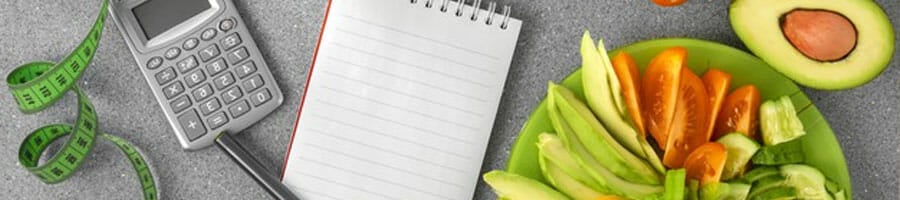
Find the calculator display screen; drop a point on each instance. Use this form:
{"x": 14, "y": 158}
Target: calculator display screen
{"x": 158, "y": 16}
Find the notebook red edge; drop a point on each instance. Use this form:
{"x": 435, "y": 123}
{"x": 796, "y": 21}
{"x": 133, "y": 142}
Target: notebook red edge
{"x": 309, "y": 75}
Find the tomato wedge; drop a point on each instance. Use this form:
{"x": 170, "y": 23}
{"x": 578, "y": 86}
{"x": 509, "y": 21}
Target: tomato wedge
{"x": 689, "y": 128}
{"x": 659, "y": 91}
{"x": 706, "y": 163}
{"x": 717, "y": 84}
{"x": 628, "y": 75}
{"x": 668, "y": 3}
{"x": 739, "y": 113}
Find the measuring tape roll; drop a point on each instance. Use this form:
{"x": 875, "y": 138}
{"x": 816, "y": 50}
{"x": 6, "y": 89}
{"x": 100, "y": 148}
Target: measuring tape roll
{"x": 38, "y": 85}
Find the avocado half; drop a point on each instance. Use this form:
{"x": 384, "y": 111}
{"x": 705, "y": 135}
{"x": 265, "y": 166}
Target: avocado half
{"x": 832, "y": 45}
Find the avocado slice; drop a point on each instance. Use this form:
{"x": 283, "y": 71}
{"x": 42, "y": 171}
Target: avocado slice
{"x": 828, "y": 45}
{"x": 513, "y": 186}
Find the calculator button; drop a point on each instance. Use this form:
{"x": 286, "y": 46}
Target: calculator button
{"x": 260, "y": 97}
{"x": 216, "y": 67}
{"x": 226, "y": 24}
{"x": 208, "y": 34}
{"x": 231, "y": 95}
{"x": 166, "y": 75}
{"x": 239, "y": 109}
{"x": 209, "y": 106}
{"x": 172, "y": 53}
{"x": 245, "y": 69}
{"x": 180, "y": 104}
{"x": 173, "y": 90}
{"x": 202, "y": 93}
{"x": 209, "y": 53}
{"x": 238, "y": 55}
{"x": 253, "y": 83}
{"x": 231, "y": 41}
{"x": 187, "y": 64}
{"x": 217, "y": 120}
{"x": 224, "y": 81}
{"x": 194, "y": 78}
{"x": 190, "y": 122}
{"x": 154, "y": 62}
{"x": 190, "y": 44}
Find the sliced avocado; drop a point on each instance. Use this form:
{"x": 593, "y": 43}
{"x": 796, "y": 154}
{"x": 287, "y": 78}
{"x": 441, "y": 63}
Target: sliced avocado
{"x": 820, "y": 44}
{"x": 597, "y": 140}
{"x": 598, "y": 172}
{"x": 740, "y": 149}
{"x": 566, "y": 183}
{"x": 551, "y": 148}
{"x": 514, "y": 187}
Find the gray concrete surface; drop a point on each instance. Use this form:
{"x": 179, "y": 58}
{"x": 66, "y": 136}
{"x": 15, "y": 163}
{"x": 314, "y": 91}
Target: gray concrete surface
{"x": 865, "y": 119}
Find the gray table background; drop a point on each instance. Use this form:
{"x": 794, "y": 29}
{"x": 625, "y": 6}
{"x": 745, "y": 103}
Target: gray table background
{"x": 864, "y": 119}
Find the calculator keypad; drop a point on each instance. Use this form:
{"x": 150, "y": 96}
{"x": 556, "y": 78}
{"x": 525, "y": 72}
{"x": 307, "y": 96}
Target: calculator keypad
{"x": 224, "y": 89}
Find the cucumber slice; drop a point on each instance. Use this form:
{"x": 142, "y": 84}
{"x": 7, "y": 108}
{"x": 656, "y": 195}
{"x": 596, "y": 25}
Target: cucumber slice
{"x": 714, "y": 191}
{"x": 765, "y": 184}
{"x": 781, "y": 192}
{"x": 779, "y": 121}
{"x": 809, "y": 181}
{"x": 740, "y": 149}
{"x": 675, "y": 184}
{"x": 513, "y": 186}
{"x": 736, "y": 191}
{"x": 760, "y": 172}
{"x": 780, "y": 154}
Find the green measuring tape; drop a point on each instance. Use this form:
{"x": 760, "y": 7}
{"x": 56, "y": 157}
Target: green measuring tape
{"x": 38, "y": 85}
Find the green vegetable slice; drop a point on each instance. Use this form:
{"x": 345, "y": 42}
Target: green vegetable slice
{"x": 740, "y": 149}
{"x": 513, "y": 186}
{"x": 784, "y": 153}
{"x": 779, "y": 121}
{"x": 760, "y": 172}
{"x": 675, "y": 184}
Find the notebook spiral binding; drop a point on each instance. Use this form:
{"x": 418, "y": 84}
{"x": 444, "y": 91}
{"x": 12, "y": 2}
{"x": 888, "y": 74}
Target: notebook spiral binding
{"x": 476, "y": 8}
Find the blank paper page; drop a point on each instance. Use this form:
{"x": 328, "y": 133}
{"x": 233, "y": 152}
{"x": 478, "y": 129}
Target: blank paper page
{"x": 400, "y": 102}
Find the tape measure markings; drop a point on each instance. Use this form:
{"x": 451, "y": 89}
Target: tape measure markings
{"x": 38, "y": 85}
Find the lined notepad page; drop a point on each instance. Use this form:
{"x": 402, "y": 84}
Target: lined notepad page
{"x": 400, "y": 103}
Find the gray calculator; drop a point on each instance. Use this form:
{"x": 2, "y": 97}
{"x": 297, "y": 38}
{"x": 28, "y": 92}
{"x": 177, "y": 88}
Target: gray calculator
{"x": 203, "y": 66}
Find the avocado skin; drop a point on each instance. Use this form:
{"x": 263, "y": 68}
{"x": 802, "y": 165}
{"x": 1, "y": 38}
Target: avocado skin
{"x": 757, "y": 24}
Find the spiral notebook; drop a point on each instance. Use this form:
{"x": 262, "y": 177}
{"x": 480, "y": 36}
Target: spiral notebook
{"x": 400, "y": 99}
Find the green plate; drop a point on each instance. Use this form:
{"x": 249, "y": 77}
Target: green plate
{"x": 822, "y": 149}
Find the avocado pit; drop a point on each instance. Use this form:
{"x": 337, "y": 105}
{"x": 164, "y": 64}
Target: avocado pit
{"x": 820, "y": 35}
